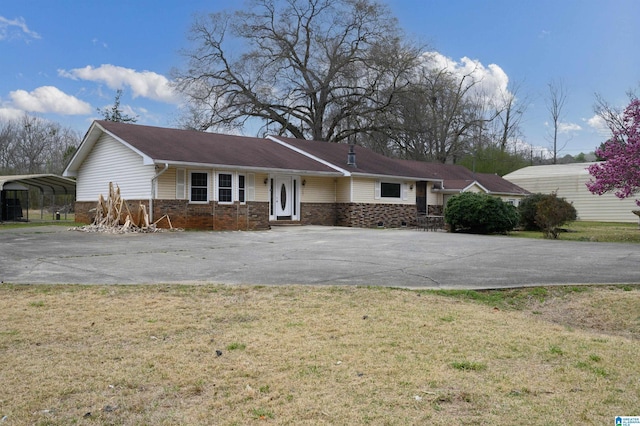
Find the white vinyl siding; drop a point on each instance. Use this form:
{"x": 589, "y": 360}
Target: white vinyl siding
{"x": 166, "y": 185}
{"x": 362, "y": 190}
{"x": 110, "y": 158}
{"x": 343, "y": 190}
{"x": 260, "y": 189}
{"x": 317, "y": 189}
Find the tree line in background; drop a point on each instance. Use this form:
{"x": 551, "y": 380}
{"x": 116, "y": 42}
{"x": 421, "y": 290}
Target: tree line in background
{"x": 33, "y": 145}
{"x": 343, "y": 71}
{"x": 329, "y": 70}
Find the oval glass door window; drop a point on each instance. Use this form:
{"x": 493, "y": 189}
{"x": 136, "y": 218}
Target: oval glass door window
{"x": 283, "y": 196}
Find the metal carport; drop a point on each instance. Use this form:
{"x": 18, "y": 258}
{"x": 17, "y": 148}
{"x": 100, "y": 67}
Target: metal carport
{"x": 47, "y": 184}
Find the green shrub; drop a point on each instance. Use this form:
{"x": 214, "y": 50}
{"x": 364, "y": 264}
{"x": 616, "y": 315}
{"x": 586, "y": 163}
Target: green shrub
{"x": 527, "y": 210}
{"x": 553, "y": 212}
{"x": 479, "y": 214}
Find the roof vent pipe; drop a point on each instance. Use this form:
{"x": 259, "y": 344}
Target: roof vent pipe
{"x": 351, "y": 156}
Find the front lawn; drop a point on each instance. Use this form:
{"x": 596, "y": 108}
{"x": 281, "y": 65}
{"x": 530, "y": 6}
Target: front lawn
{"x": 609, "y": 232}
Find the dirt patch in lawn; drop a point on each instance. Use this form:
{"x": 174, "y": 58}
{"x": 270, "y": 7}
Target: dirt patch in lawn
{"x": 608, "y": 310}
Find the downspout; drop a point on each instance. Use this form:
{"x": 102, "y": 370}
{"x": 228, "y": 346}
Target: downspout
{"x": 154, "y": 183}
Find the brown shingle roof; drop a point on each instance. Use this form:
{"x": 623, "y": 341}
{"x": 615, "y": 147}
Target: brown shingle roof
{"x": 188, "y": 146}
{"x": 367, "y": 161}
{"x": 498, "y": 184}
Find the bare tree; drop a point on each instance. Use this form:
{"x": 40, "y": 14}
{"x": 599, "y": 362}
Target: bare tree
{"x": 556, "y": 102}
{"x": 509, "y": 112}
{"x": 440, "y": 117}
{"x": 34, "y": 145}
{"x": 312, "y": 69}
{"x": 610, "y": 114}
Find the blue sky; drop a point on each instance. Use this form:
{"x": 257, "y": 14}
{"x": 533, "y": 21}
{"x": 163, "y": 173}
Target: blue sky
{"x": 64, "y": 59}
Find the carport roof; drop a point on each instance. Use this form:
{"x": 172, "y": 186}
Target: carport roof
{"x": 48, "y": 184}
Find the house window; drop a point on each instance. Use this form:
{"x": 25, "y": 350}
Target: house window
{"x": 199, "y": 187}
{"x": 224, "y": 188}
{"x": 241, "y": 189}
{"x": 390, "y": 190}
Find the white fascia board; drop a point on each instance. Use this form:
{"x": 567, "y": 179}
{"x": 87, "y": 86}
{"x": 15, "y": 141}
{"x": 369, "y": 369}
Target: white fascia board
{"x": 313, "y": 157}
{"x": 407, "y": 178}
{"x": 188, "y": 164}
{"x": 475, "y": 182}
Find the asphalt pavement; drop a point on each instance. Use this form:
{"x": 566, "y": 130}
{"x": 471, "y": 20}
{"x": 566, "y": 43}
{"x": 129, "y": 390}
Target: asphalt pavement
{"x": 310, "y": 255}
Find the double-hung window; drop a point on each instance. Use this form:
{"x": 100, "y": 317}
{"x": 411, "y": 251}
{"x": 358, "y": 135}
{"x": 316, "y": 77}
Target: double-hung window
{"x": 225, "y": 189}
{"x": 199, "y": 187}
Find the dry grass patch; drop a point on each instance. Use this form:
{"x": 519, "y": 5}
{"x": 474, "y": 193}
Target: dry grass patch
{"x": 301, "y": 355}
{"x": 604, "y": 232}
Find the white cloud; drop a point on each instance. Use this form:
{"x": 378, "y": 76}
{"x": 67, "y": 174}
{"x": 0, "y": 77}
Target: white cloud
{"x": 564, "y": 128}
{"x": 491, "y": 81}
{"x": 49, "y": 99}
{"x": 15, "y": 28}
{"x": 598, "y": 124}
{"x": 146, "y": 84}
{"x": 10, "y": 113}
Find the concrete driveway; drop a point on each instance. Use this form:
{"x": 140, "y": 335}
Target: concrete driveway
{"x": 310, "y": 255}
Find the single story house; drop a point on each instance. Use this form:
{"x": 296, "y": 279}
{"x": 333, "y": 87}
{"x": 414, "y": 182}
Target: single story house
{"x": 225, "y": 182}
{"x": 569, "y": 182}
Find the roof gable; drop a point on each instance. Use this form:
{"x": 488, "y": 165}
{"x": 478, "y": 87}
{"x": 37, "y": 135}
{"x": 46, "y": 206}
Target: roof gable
{"x": 160, "y": 145}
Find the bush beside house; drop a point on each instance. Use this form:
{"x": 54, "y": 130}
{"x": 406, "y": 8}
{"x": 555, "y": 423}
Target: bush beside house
{"x": 480, "y": 214}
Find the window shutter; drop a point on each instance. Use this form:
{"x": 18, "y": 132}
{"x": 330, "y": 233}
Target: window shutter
{"x": 405, "y": 191}
{"x": 376, "y": 194}
{"x": 180, "y": 184}
{"x": 251, "y": 187}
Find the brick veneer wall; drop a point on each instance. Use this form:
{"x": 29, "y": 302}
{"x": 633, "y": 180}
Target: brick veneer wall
{"x": 435, "y": 210}
{"x": 255, "y": 215}
{"x": 85, "y": 211}
{"x": 210, "y": 216}
{"x": 366, "y": 215}
{"x": 318, "y": 214}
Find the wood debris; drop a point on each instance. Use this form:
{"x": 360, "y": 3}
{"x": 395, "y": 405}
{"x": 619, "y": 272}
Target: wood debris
{"x": 114, "y": 216}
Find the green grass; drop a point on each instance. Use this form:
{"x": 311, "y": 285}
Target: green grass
{"x": 469, "y": 366}
{"x": 33, "y": 223}
{"x": 604, "y": 232}
{"x": 510, "y": 298}
{"x": 236, "y": 346}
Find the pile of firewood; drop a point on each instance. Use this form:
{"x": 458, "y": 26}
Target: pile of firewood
{"x": 113, "y": 215}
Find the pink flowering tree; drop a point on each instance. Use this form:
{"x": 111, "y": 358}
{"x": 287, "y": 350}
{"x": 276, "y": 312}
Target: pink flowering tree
{"x": 620, "y": 172}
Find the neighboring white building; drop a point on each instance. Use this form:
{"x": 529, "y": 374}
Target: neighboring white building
{"x": 569, "y": 182}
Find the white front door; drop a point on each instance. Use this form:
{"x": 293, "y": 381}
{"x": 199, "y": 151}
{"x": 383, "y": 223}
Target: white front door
{"x": 283, "y": 197}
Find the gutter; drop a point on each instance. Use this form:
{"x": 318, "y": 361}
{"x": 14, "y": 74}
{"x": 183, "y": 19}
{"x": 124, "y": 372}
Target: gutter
{"x": 154, "y": 182}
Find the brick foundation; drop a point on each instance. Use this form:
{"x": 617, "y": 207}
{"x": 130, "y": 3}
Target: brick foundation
{"x": 255, "y": 215}
{"x": 364, "y": 215}
{"x": 323, "y": 214}
{"x": 210, "y": 216}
